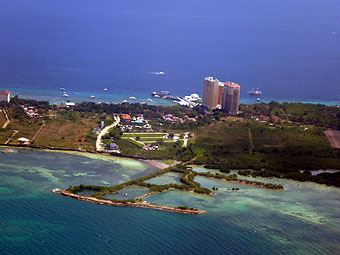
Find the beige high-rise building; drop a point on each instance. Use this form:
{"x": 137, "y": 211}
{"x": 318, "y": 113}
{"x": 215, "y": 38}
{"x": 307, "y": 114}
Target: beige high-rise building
{"x": 220, "y": 94}
{"x": 231, "y": 97}
{"x": 210, "y": 92}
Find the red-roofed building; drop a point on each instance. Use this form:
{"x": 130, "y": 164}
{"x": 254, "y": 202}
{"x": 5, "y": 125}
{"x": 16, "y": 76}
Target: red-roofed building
{"x": 126, "y": 117}
{"x": 5, "y": 96}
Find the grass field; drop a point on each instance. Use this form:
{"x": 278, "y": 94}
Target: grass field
{"x": 2, "y": 118}
{"x": 148, "y": 137}
{"x": 60, "y": 132}
{"x": 154, "y": 134}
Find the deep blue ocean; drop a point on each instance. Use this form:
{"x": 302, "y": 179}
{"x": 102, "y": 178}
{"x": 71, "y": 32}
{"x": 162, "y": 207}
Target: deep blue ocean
{"x": 288, "y": 48}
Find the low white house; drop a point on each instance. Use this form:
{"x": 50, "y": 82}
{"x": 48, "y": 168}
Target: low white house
{"x": 5, "y": 96}
{"x": 23, "y": 140}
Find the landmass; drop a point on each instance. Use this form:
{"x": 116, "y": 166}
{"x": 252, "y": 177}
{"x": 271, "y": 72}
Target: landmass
{"x": 282, "y": 140}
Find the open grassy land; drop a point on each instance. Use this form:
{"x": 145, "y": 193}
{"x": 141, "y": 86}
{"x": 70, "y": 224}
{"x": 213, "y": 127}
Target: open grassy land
{"x": 64, "y": 133}
{"x": 2, "y": 118}
{"x": 173, "y": 150}
{"x": 65, "y": 129}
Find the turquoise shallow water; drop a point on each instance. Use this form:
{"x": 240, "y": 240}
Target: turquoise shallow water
{"x": 303, "y": 219}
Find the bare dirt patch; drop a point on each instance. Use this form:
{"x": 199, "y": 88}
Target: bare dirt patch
{"x": 333, "y": 138}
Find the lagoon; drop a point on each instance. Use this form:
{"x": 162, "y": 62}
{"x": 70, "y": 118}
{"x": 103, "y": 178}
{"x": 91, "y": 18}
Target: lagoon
{"x": 303, "y": 219}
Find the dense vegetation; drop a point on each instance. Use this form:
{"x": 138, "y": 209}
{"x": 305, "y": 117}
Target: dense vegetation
{"x": 308, "y": 114}
{"x": 284, "y": 149}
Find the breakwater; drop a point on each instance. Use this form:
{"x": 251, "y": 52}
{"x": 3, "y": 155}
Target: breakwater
{"x": 141, "y": 204}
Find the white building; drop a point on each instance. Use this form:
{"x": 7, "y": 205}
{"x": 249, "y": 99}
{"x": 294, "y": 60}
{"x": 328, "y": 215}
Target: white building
{"x": 5, "y": 96}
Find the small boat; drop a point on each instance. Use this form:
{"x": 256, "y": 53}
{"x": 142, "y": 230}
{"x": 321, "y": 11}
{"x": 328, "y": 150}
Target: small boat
{"x": 149, "y": 99}
{"x": 258, "y": 99}
{"x": 124, "y": 101}
{"x": 55, "y": 190}
{"x": 165, "y": 92}
{"x": 161, "y": 73}
{"x": 92, "y": 97}
{"x": 105, "y": 89}
{"x": 132, "y": 97}
{"x": 65, "y": 95}
{"x": 255, "y": 91}
{"x": 62, "y": 89}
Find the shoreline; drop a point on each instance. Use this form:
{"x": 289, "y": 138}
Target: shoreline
{"x": 55, "y": 97}
{"x": 156, "y": 163}
{"x": 137, "y": 204}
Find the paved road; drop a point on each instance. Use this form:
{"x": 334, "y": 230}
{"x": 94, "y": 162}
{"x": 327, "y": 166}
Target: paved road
{"x": 105, "y": 130}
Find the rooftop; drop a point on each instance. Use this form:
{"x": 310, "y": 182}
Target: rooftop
{"x": 5, "y": 92}
{"x": 231, "y": 84}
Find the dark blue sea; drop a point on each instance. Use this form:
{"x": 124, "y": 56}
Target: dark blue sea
{"x": 288, "y": 48}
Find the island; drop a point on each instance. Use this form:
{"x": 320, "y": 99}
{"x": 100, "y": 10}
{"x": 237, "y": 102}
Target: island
{"x": 272, "y": 140}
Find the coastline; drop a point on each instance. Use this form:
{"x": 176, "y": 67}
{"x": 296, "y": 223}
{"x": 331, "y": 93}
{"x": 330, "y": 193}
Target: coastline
{"x": 153, "y": 162}
{"x": 55, "y": 97}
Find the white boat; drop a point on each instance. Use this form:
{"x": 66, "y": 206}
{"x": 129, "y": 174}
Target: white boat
{"x": 124, "y": 101}
{"x": 132, "y": 97}
{"x": 62, "y": 89}
{"x": 161, "y": 73}
{"x": 258, "y": 99}
{"x": 65, "y": 95}
{"x": 165, "y": 92}
{"x": 92, "y": 97}
{"x": 149, "y": 99}
{"x": 105, "y": 89}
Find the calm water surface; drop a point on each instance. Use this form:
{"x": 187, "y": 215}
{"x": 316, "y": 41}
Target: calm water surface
{"x": 289, "y": 48}
{"x": 303, "y": 219}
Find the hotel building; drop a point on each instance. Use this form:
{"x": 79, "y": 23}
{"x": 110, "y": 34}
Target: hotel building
{"x": 231, "y": 97}
{"x": 210, "y": 92}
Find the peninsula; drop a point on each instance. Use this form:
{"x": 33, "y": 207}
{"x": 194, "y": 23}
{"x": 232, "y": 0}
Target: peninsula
{"x": 282, "y": 140}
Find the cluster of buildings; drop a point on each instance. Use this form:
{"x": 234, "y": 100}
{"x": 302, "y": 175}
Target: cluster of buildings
{"x": 136, "y": 123}
{"x": 149, "y": 147}
{"x": 31, "y": 112}
{"x": 174, "y": 119}
{"x": 221, "y": 95}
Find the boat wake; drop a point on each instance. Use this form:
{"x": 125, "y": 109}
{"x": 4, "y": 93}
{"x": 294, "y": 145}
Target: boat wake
{"x": 156, "y": 73}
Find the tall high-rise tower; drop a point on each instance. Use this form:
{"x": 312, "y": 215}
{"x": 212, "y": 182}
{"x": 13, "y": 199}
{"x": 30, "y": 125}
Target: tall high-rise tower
{"x": 231, "y": 97}
{"x": 210, "y": 92}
